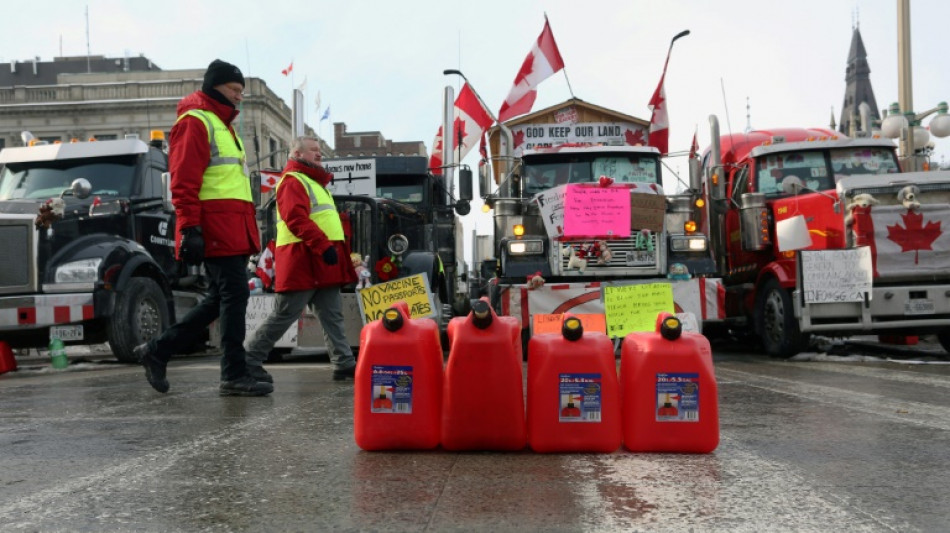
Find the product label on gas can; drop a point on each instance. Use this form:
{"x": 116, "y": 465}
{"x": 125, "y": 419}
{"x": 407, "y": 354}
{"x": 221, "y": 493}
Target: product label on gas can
{"x": 580, "y": 396}
{"x": 392, "y": 390}
{"x": 677, "y": 397}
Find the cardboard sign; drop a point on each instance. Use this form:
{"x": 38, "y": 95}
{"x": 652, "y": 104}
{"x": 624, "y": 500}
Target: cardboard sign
{"x": 596, "y": 211}
{"x": 259, "y": 307}
{"x": 414, "y": 290}
{"x": 542, "y": 323}
{"x": 647, "y": 211}
{"x": 352, "y": 177}
{"x": 551, "y": 205}
{"x": 830, "y": 276}
{"x": 635, "y": 307}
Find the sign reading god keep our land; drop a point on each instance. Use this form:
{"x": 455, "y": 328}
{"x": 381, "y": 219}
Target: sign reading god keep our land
{"x": 414, "y": 290}
{"x": 352, "y": 177}
{"x": 632, "y": 308}
{"x": 596, "y": 211}
{"x": 830, "y": 276}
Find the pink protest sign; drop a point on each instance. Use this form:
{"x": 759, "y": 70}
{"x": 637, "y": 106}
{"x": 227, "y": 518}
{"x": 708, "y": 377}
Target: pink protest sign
{"x": 594, "y": 211}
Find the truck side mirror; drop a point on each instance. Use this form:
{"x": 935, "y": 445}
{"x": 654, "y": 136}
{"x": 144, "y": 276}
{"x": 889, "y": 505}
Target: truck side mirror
{"x": 792, "y": 185}
{"x": 80, "y": 188}
{"x": 465, "y": 183}
{"x": 167, "y": 192}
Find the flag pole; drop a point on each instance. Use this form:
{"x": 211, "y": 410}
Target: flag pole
{"x": 564, "y": 68}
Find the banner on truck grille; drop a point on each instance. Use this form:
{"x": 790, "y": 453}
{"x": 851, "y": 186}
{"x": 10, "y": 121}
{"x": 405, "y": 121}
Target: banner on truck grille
{"x": 908, "y": 241}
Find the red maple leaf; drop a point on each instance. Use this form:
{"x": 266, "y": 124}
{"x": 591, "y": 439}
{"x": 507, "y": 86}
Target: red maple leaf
{"x": 914, "y": 235}
{"x": 519, "y": 138}
{"x": 633, "y": 138}
{"x": 525, "y": 68}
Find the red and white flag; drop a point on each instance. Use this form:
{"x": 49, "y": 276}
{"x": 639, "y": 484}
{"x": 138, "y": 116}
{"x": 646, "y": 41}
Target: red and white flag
{"x": 269, "y": 180}
{"x": 288, "y": 70}
{"x": 660, "y": 122}
{"x": 542, "y": 62}
{"x": 694, "y": 147}
{"x": 265, "y": 265}
{"x": 471, "y": 119}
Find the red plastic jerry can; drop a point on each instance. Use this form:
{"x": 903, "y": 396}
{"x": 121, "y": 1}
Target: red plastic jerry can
{"x": 484, "y": 389}
{"x": 573, "y": 392}
{"x": 669, "y": 397}
{"x": 399, "y": 378}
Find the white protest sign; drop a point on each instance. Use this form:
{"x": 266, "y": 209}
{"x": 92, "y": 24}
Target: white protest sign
{"x": 830, "y": 276}
{"x": 551, "y": 205}
{"x": 532, "y": 136}
{"x": 353, "y": 177}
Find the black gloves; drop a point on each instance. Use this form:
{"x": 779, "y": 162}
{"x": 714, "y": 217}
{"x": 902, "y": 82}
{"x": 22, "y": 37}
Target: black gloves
{"x": 192, "y": 249}
{"x": 330, "y": 256}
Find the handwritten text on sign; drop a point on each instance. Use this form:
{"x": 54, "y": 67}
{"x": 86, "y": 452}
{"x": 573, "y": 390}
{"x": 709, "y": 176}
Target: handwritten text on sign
{"x": 542, "y": 323}
{"x": 836, "y": 275}
{"x": 597, "y": 211}
{"x": 414, "y": 290}
{"x": 635, "y": 307}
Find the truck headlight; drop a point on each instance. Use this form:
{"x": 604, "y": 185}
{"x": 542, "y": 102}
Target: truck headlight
{"x": 82, "y": 271}
{"x": 525, "y": 247}
{"x": 688, "y": 243}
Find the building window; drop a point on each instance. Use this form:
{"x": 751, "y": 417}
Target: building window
{"x": 272, "y": 150}
{"x": 107, "y": 137}
{"x": 50, "y": 140}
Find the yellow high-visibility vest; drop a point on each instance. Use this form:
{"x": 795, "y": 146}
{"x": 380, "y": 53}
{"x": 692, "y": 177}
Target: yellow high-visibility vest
{"x": 322, "y": 212}
{"x": 224, "y": 179}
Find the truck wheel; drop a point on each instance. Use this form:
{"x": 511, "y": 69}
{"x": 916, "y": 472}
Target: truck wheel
{"x": 944, "y": 337}
{"x": 140, "y": 314}
{"x": 776, "y": 323}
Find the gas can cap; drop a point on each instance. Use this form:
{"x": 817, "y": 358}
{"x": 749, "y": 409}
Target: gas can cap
{"x": 481, "y": 314}
{"x": 572, "y": 329}
{"x": 671, "y": 328}
{"x": 392, "y": 319}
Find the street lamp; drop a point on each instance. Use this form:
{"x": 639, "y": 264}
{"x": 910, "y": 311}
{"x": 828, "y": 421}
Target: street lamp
{"x": 901, "y": 121}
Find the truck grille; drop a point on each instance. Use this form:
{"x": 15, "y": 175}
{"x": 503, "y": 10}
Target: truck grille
{"x": 625, "y": 254}
{"x": 17, "y": 256}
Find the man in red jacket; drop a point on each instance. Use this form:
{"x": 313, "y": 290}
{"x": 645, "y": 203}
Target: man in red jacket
{"x": 312, "y": 261}
{"x": 215, "y": 225}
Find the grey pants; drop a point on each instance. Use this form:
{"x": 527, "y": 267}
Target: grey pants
{"x": 327, "y": 304}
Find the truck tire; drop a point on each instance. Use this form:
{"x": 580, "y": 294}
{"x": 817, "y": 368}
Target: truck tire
{"x": 775, "y": 321}
{"x": 943, "y": 336}
{"x": 140, "y": 314}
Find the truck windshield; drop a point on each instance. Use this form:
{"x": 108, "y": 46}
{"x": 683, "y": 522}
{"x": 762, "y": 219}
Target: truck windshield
{"x": 111, "y": 176}
{"x": 542, "y": 174}
{"x": 821, "y": 169}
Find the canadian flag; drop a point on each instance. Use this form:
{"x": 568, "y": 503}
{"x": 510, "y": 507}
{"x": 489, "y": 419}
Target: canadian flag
{"x": 288, "y": 70}
{"x": 659, "y": 136}
{"x": 265, "y": 265}
{"x": 904, "y": 241}
{"x": 542, "y": 62}
{"x": 471, "y": 119}
{"x": 269, "y": 180}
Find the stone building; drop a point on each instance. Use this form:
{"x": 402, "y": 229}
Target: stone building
{"x": 371, "y": 143}
{"x": 109, "y": 98}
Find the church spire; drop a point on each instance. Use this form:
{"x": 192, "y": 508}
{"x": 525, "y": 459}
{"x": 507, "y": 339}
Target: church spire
{"x": 858, "y": 87}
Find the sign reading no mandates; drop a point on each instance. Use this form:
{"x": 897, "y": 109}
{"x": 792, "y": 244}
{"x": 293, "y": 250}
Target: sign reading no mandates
{"x": 414, "y": 290}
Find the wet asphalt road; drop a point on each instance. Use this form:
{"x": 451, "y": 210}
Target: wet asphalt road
{"x": 820, "y": 445}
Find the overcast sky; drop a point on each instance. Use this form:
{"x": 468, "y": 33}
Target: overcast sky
{"x": 379, "y": 64}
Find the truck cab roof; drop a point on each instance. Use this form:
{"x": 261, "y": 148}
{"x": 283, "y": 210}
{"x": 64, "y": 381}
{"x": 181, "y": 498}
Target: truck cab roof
{"x": 80, "y": 150}
{"x": 586, "y": 149}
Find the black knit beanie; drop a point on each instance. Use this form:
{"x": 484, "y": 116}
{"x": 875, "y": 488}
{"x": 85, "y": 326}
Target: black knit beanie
{"x": 220, "y": 72}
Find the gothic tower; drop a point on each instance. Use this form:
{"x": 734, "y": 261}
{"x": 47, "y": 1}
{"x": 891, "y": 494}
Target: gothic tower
{"x": 858, "y": 88}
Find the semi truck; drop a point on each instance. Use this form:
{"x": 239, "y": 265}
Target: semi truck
{"x": 88, "y": 245}
{"x": 533, "y": 182}
{"x": 817, "y": 233}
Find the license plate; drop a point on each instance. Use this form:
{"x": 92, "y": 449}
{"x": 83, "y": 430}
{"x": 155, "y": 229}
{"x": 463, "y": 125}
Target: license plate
{"x": 640, "y": 258}
{"x": 66, "y": 333}
{"x": 919, "y": 307}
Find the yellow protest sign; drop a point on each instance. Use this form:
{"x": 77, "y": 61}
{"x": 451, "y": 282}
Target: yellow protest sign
{"x": 542, "y": 323}
{"x": 632, "y": 308}
{"x": 414, "y": 290}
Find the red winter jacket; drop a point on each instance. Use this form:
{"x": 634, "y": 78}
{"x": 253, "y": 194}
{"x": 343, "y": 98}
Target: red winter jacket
{"x": 229, "y": 227}
{"x": 300, "y": 266}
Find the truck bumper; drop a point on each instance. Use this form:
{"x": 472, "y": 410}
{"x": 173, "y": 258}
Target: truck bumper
{"x": 704, "y": 298}
{"x": 44, "y": 310}
{"x": 918, "y": 308}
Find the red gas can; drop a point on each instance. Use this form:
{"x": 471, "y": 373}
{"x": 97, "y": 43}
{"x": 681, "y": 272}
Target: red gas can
{"x": 668, "y": 391}
{"x": 484, "y": 386}
{"x": 573, "y": 393}
{"x": 398, "y": 389}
